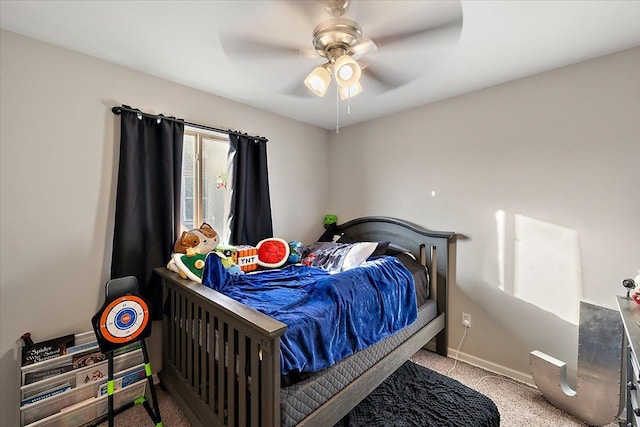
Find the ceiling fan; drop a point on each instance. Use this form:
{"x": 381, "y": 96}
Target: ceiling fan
{"x": 347, "y": 53}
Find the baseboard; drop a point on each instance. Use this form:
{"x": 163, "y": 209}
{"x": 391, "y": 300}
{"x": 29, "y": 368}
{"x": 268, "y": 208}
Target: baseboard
{"x": 493, "y": 367}
{"x": 487, "y": 366}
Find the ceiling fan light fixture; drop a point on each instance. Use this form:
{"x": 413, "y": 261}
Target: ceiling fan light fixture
{"x": 318, "y": 81}
{"x": 347, "y": 71}
{"x": 350, "y": 91}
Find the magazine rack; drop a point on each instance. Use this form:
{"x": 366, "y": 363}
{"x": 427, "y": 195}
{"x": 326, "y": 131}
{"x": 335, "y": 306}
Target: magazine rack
{"x": 123, "y": 320}
{"x": 67, "y": 386}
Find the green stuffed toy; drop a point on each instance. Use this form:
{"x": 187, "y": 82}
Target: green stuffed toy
{"x": 188, "y": 266}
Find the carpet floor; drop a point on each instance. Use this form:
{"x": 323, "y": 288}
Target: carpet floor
{"x": 519, "y": 404}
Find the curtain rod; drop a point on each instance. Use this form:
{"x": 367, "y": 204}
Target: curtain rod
{"x": 120, "y": 109}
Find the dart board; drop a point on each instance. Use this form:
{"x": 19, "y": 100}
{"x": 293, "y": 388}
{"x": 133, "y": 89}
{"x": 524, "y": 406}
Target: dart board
{"x": 121, "y": 321}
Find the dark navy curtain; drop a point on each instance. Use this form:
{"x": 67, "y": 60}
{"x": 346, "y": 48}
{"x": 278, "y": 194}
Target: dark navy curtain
{"x": 250, "y": 207}
{"x": 147, "y": 217}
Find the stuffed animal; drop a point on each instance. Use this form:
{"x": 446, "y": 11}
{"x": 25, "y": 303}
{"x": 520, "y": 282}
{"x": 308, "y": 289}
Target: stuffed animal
{"x": 199, "y": 240}
{"x": 188, "y": 266}
{"x": 273, "y": 252}
{"x": 190, "y": 252}
{"x": 330, "y": 219}
{"x": 229, "y": 264}
{"x": 247, "y": 257}
{"x": 228, "y": 251}
{"x": 295, "y": 251}
{"x": 229, "y": 256}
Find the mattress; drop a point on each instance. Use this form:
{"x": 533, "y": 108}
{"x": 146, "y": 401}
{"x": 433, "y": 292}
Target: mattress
{"x": 301, "y": 399}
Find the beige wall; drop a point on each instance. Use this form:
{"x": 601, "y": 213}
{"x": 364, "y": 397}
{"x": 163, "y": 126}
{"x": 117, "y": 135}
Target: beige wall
{"x": 562, "y": 147}
{"x": 59, "y": 144}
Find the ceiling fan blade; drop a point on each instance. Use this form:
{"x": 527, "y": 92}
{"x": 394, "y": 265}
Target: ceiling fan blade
{"x": 386, "y": 77}
{"x": 313, "y": 11}
{"x": 299, "y": 90}
{"x": 252, "y": 49}
{"x": 365, "y": 47}
{"x": 453, "y": 26}
{"x": 295, "y": 87}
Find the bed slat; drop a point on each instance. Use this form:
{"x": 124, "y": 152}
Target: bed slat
{"x": 242, "y": 380}
{"x": 217, "y": 358}
{"x": 255, "y": 384}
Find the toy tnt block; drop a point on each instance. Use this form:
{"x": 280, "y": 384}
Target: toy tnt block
{"x": 247, "y": 257}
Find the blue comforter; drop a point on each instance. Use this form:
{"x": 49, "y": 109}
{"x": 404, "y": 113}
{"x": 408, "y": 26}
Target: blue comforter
{"x": 328, "y": 316}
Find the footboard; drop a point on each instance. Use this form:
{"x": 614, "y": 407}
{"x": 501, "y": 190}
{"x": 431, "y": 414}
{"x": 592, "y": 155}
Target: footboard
{"x": 221, "y": 359}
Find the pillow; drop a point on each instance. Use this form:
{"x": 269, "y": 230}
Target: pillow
{"x": 358, "y": 254}
{"x": 381, "y": 247}
{"x": 395, "y": 250}
{"x": 419, "y": 273}
{"x": 337, "y": 257}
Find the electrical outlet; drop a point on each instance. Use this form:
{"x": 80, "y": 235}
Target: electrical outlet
{"x": 466, "y": 320}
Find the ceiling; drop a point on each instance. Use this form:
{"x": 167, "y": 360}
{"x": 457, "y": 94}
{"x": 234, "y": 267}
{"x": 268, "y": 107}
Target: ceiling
{"x": 189, "y": 42}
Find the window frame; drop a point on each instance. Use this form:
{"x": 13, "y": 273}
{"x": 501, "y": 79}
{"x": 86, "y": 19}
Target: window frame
{"x": 200, "y": 135}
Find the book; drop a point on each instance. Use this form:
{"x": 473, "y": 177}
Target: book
{"x": 131, "y": 347}
{"x": 134, "y": 377}
{"x": 46, "y": 350}
{"x": 82, "y": 347}
{"x": 93, "y": 373}
{"x": 32, "y": 377}
{"x": 47, "y": 393}
{"x": 81, "y": 360}
{"x": 124, "y": 380}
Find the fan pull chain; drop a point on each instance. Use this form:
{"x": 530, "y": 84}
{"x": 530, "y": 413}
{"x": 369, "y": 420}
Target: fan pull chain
{"x": 337, "y": 109}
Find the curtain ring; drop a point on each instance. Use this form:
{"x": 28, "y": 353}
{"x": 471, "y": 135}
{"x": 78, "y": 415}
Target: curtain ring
{"x": 158, "y": 120}
{"x": 139, "y": 116}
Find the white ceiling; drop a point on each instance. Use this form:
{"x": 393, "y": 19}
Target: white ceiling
{"x": 181, "y": 41}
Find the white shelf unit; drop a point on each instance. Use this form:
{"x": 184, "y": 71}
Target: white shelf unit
{"x": 79, "y": 403}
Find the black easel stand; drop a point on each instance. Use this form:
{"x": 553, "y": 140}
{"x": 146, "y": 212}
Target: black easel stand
{"x": 155, "y": 412}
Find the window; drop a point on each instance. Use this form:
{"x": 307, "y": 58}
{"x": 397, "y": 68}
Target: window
{"x": 205, "y": 191}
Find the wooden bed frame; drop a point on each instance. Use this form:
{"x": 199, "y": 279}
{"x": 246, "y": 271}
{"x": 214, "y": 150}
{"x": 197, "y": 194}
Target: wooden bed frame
{"x": 221, "y": 390}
